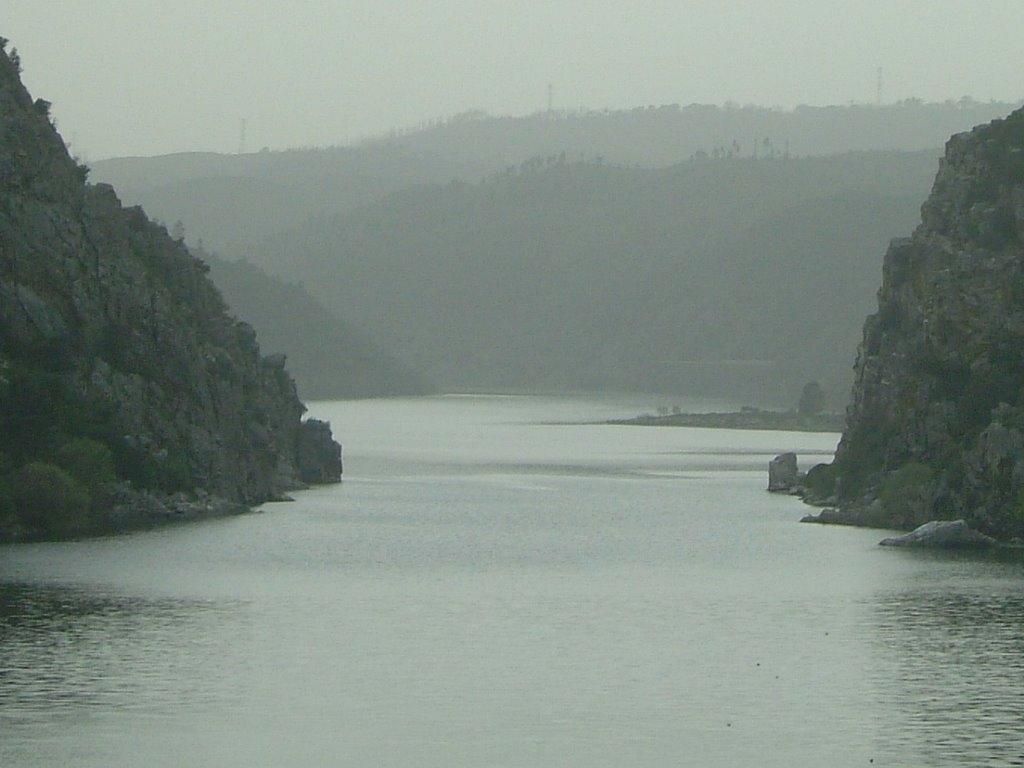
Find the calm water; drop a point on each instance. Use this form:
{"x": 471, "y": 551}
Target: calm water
{"x": 489, "y": 588}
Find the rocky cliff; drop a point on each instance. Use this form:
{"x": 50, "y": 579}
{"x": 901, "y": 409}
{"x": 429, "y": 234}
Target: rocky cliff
{"x": 936, "y": 425}
{"x": 122, "y": 377}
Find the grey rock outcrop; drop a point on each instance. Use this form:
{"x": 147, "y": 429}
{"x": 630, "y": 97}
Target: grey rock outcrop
{"x": 783, "y": 473}
{"x": 318, "y": 455}
{"x": 941, "y": 534}
{"x": 936, "y": 425}
{"x": 110, "y": 331}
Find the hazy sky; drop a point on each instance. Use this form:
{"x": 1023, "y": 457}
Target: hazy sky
{"x": 155, "y": 76}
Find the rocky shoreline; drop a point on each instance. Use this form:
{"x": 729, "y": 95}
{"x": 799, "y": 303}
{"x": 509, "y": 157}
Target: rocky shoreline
{"x": 785, "y": 477}
{"x": 123, "y": 508}
{"x": 127, "y": 509}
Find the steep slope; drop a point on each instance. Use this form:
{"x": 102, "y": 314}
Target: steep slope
{"x": 733, "y": 278}
{"x": 328, "y": 358}
{"x": 936, "y": 428}
{"x": 120, "y": 371}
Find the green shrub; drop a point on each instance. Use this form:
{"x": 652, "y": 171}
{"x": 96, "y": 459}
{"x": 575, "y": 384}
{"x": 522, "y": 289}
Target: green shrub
{"x": 1015, "y": 508}
{"x": 49, "y": 501}
{"x": 7, "y": 520}
{"x": 33, "y": 405}
{"x": 89, "y": 462}
{"x": 170, "y": 473}
{"x": 812, "y": 399}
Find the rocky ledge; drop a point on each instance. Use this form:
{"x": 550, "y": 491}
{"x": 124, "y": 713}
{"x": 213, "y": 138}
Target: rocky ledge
{"x": 943, "y": 534}
{"x": 317, "y": 456}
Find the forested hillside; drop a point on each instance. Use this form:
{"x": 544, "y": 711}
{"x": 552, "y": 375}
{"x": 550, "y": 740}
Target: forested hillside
{"x": 328, "y": 357}
{"x": 743, "y": 278}
{"x": 659, "y": 136}
{"x": 677, "y": 249}
{"x": 232, "y": 201}
{"x": 235, "y": 200}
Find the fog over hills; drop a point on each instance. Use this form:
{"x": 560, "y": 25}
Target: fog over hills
{"x": 658, "y": 136}
{"x": 232, "y": 201}
{"x": 730, "y": 277}
{"x": 705, "y": 250}
{"x": 328, "y": 357}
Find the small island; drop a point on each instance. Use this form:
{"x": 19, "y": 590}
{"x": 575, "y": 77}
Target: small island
{"x": 809, "y": 416}
{"x": 745, "y": 418}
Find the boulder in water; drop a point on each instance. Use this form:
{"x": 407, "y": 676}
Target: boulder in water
{"x": 783, "y": 474}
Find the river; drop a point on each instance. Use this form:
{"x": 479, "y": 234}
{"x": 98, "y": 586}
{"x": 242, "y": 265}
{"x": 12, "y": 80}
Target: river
{"x": 496, "y": 583}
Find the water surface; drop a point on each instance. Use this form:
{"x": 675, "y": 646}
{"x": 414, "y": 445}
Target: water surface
{"x": 493, "y": 586}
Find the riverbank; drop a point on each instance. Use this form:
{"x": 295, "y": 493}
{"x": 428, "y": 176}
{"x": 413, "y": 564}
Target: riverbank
{"x": 125, "y": 510}
{"x": 746, "y": 418}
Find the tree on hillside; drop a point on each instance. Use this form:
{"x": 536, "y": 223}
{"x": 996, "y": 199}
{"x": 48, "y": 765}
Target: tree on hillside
{"x": 812, "y": 399}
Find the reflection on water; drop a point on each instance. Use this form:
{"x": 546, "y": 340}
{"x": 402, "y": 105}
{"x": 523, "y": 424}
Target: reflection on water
{"x": 485, "y": 589}
{"x": 67, "y": 650}
{"x": 954, "y": 663}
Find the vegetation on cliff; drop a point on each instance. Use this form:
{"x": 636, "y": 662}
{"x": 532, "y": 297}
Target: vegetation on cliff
{"x": 936, "y": 427}
{"x": 122, "y": 377}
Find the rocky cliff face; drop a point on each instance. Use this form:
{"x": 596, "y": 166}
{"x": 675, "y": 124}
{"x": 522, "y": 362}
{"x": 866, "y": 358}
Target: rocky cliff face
{"x": 116, "y": 350}
{"x": 936, "y": 426}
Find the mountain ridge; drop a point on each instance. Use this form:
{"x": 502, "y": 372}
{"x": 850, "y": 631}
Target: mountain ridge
{"x": 233, "y": 201}
{"x": 585, "y": 277}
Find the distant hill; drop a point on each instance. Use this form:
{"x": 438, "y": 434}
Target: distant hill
{"x": 721, "y": 247}
{"x": 233, "y": 201}
{"x": 739, "y": 278}
{"x": 660, "y": 136}
{"x": 328, "y": 358}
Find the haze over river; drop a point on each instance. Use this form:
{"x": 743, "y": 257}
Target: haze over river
{"x": 493, "y": 585}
